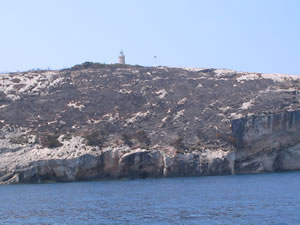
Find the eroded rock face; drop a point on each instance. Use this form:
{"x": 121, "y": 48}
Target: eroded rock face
{"x": 97, "y": 121}
{"x": 117, "y": 163}
{"x": 74, "y": 160}
{"x": 267, "y": 142}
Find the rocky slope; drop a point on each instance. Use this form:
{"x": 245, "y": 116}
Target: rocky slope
{"x": 96, "y": 121}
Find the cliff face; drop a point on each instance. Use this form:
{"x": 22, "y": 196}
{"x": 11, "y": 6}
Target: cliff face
{"x": 115, "y": 163}
{"x": 97, "y": 121}
{"x": 267, "y": 142}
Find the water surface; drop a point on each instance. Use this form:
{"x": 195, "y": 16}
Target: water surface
{"x": 245, "y": 199}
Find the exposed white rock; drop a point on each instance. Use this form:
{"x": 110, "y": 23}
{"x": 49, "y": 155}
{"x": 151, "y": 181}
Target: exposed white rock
{"x": 125, "y": 91}
{"x": 247, "y": 76}
{"x": 52, "y": 122}
{"x": 193, "y": 69}
{"x": 161, "y": 93}
{"x": 33, "y": 83}
{"x": 179, "y": 114}
{"x": 137, "y": 116}
{"x": 3, "y": 106}
{"x": 165, "y": 119}
{"x": 199, "y": 85}
{"x": 76, "y": 105}
{"x": 221, "y": 72}
{"x": 236, "y": 115}
{"x": 212, "y": 155}
{"x": 280, "y": 77}
{"x": 94, "y": 121}
{"x": 125, "y": 85}
{"x": 224, "y": 109}
{"x": 111, "y": 117}
{"x": 247, "y": 105}
{"x": 182, "y": 101}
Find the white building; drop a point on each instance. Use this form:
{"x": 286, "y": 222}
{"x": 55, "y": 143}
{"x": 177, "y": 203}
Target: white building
{"x": 122, "y": 58}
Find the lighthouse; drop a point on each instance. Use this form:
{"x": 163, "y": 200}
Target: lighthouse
{"x": 121, "y": 58}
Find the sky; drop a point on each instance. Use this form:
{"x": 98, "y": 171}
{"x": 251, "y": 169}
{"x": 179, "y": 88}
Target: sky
{"x": 244, "y": 35}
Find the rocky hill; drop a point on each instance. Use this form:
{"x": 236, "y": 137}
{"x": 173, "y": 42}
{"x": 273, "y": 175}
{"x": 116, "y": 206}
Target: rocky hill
{"x": 96, "y": 121}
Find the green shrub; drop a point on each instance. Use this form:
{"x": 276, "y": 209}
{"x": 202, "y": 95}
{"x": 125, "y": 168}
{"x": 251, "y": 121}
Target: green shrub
{"x": 179, "y": 144}
{"x": 95, "y": 138}
{"x": 142, "y": 137}
{"x": 67, "y": 137}
{"x": 139, "y": 136}
{"x": 201, "y": 135}
{"x": 88, "y": 65}
{"x": 227, "y": 138}
{"x": 127, "y": 140}
{"x": 50, "y": 141}
{"x": 19, "y": 140}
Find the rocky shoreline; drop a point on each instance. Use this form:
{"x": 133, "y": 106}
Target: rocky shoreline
{"x": 68, "y": 163}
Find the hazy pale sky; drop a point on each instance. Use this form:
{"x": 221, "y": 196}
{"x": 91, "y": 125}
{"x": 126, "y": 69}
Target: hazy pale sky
{"x": 245, "y": 35}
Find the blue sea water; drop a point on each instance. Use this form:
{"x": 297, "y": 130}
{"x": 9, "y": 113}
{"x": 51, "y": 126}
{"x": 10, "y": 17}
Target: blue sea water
{"x": 244, "y": 199}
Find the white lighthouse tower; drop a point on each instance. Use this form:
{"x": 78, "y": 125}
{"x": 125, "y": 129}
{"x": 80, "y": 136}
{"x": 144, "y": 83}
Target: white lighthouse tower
{"x": 121, "y": 58}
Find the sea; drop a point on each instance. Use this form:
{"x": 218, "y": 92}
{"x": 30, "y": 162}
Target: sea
{"x": 241, "y": 199}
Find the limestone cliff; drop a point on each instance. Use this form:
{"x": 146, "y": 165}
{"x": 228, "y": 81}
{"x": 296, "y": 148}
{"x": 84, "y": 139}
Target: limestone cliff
{"x": 267, "y": 142}
{"x": 96, "y": 121}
